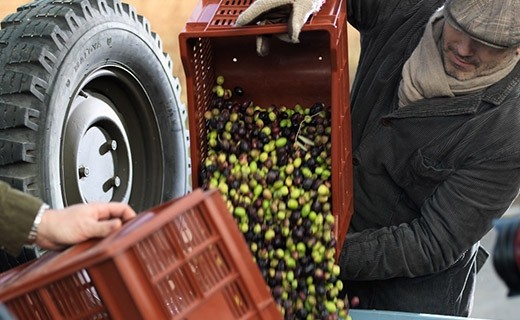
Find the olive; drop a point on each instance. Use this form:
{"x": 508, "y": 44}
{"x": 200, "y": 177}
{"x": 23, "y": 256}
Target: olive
{"x": 238, "y": 91}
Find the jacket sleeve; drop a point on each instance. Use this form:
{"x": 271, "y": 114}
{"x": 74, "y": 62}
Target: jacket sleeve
{"x": 453, "y": 219}
{"x": 363, "y": 15}
{"x": 17, "y": 213}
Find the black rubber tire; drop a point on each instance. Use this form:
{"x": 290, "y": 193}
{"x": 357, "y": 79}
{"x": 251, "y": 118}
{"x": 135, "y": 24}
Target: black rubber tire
{"x": 505, "y": 254}
{"x": 89, "y": 108}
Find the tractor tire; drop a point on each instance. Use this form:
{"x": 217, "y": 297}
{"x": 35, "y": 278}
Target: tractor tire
{"x": 89, "y": 108}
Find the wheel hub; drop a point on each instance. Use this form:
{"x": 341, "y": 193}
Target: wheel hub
{"x": 97, "y": 157}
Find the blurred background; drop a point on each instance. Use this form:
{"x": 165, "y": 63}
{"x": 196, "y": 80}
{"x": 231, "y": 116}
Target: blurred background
{"x": 167, "y": 19}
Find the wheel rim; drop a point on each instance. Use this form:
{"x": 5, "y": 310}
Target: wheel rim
{"x": 99, "y": 152}
{"x": 99, "y": 161}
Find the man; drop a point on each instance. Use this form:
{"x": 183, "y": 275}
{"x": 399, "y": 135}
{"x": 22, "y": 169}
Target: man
{"x": 26, "y": 220}
{"x": 436, "y": 147}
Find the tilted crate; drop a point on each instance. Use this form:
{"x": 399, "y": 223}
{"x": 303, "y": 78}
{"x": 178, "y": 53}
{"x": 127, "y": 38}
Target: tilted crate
{"x": 314, "y": 70}
{"x": 183, "y": 260}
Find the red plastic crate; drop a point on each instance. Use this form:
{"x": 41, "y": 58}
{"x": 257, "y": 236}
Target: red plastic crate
{"x": 314, "y": 70}
{"x": 183, "y": 260}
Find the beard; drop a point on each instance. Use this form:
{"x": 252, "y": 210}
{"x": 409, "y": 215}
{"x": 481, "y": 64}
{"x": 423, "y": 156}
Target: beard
{"x": 467, "y": 68}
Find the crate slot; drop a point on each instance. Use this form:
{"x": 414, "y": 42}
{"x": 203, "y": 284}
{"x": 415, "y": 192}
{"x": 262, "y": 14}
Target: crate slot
{"x": 29, "y": 306}
{"x": 156, "y": 253}
{"x": 236, "y": 300}
{"x": 191, "y": 230}
{"x": 176, "y": 292}
{"x": 209, "y": 267}
{"x": 75, "y": 295}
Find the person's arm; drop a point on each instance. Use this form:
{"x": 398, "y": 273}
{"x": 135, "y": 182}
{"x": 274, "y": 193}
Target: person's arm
{"x": 363, "y": 15}
{"x": 23, "y": 217}
{"x": 454, "y": 218}
{"x": 17, "y": 213}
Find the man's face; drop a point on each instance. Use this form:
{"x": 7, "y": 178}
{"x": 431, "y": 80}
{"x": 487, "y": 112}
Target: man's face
{"x": 465, "y": 58}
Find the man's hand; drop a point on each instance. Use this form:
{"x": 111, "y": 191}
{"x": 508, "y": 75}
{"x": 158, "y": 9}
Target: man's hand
{"x": 80, "y": 222}
{"x": 295, "y": 12}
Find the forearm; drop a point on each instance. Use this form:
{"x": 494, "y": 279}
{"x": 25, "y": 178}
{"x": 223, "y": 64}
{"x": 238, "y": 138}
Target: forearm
{"x": 457, "y": 215}
{"x": 366, "y": 14}
{"x": 17, "y": 213}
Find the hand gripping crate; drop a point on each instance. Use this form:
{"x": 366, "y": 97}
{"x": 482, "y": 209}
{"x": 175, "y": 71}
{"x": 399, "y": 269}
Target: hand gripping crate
{"x": 314, "y": 70}
{"x": 183, "y": 260}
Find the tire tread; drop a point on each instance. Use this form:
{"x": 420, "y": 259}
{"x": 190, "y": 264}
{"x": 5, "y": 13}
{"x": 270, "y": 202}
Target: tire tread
{"x": 33, "y": 43}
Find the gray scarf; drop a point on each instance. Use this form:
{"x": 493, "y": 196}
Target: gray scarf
{"x": 424, "y": 75}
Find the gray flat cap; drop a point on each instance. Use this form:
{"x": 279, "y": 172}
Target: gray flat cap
{"x": 495, "y": 23}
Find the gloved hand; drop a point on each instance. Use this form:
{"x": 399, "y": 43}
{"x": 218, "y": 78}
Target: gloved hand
{"x": 295, "y": 12}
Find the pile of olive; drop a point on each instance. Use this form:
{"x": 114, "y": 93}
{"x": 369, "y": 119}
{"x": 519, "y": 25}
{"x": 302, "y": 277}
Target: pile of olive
{"x": 273, "y": 167}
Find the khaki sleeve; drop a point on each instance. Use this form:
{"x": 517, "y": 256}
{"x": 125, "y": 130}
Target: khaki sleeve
{"x": 17, "y": 213}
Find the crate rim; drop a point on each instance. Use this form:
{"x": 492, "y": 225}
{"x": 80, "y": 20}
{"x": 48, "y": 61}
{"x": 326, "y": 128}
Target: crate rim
{"x": 329, "y": 17}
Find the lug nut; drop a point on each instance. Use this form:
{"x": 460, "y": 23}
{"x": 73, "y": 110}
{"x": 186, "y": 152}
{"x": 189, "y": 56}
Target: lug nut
{"x": 116, "y": 181}
{"x": 110, "y": 145}
{"x": 113, "y": 182}
{"x": 83, "y": 172}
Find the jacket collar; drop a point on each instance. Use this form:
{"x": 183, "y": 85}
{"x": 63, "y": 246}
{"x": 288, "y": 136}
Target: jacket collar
{"x": 497, "y": 93}
{"x": 460, "y": 105}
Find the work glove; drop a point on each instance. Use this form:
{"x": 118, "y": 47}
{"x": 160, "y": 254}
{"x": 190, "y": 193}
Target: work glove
{"x": 294, "y": 12}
